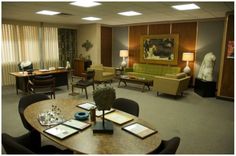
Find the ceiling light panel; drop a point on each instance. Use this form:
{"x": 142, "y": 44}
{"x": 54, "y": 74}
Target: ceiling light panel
{"x": 85, "y": 3}
{"x": 129, "y": 13}
{"x": 186, "y": 7}
{"x": 91, "y": 18}
{"x": 47, "y": 12}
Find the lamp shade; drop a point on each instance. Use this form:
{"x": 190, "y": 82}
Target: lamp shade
{"x": 187, "y": 56}
{"x": 124, "y": 53}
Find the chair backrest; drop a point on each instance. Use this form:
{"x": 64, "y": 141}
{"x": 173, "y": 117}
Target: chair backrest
{"x": 168, "y": 146}
{"x": 42, "y": 84}
{"x": 12, "y": 146}
{"x": 90, "y": 75}
{"x": 126, "y": 105}
{"x": 26, "y": 101}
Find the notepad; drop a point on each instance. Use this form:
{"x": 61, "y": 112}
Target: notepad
{"x": 139, "y": 130}
{"x": 87, "y": 106}
{"x": 76, "y": 124}
{"x": 61, "y": 131}
{"x": 118, "y": 117}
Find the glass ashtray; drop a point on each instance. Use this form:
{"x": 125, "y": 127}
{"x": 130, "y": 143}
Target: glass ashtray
{"x": 50, "y": 118}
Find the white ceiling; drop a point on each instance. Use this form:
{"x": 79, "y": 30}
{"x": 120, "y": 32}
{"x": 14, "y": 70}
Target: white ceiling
{"x": 151, "y": 12}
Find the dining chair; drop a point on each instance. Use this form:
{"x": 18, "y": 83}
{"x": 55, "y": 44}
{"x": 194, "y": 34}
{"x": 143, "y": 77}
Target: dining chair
{"x": 42, "y": 84}
{"x": 23, "y": 145}
{"x": 167, "y": 146}
{"x": 87, "y": 80}
{"x": 24, "y": 102}
{"x": 126, "y": 105}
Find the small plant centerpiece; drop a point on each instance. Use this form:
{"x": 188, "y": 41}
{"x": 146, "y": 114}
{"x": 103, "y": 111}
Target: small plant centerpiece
{"x": 104, "y": 98}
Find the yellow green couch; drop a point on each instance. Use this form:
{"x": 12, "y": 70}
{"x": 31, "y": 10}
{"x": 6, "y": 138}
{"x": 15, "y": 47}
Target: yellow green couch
{"x": 149, "y": 71}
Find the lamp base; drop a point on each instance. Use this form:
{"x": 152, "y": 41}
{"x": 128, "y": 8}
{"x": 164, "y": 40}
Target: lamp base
{"x": 106, "y": 128}
{"x": 123, "y": 64}
{"x": 187, "y": 70}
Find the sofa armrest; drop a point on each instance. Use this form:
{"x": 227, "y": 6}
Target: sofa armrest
{"x": 171, "y": 86}
{"x": 109, "y": 69}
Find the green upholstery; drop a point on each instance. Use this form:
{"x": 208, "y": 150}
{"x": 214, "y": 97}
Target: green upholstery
{"x": 148, "y": 71}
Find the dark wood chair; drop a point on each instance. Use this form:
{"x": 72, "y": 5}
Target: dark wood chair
{"x": 42, "y": 84}
{"x": 24, "y": 102}
{"x": 23, "y": 145}
{"x": 87, "y": 80}
{"x": 126, "y": 105}
{"x": 167, "y": 146}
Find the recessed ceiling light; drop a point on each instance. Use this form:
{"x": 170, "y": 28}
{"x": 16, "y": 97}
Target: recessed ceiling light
{"x": 85, "y": 3}
{"x": 186, "y": 7}
{"x": 91, "y": 18}
{"x": 129, "y": 13}
{"x": 47, "y": 12}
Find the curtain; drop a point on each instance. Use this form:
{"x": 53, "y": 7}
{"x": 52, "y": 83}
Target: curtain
{"x": 50, "y": 50}
{"x": 67, "y": 45}
{"x": 24, "y": 43}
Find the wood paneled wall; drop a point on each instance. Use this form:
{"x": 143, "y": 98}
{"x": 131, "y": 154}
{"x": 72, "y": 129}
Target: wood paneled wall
{"x": 106, "y": 46}
{"x": 226, "y": 79}
{"x": 135, "y": 33}
{"x": 187, "y": 39}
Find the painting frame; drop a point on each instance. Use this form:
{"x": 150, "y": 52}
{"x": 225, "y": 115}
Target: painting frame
{"x": 159, "y": 49}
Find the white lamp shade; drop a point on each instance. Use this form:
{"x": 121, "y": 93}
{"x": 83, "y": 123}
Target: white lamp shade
{"x": 124, "y": 53}
{"x": 187, "y": 56}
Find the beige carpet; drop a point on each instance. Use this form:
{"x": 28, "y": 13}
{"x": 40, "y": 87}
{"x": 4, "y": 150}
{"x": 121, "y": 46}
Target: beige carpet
{"x": 205, "y": 125}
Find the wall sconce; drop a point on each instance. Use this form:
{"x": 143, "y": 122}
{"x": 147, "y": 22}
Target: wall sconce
{"x": 124, "y": 53}
{"x": 187, "y": 56}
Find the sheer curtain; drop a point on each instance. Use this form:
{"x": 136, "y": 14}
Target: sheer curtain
{"x": 50, "y": 47}
{"x": 21, "y": 43}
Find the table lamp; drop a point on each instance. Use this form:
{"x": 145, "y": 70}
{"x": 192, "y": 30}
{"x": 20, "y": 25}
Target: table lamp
{"x": 187, "y": 56}
{"x": 124, "y": 53}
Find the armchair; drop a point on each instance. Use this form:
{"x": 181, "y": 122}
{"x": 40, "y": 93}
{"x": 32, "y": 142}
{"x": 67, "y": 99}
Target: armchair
{"x": 103, "y": 74}
{"x": 171, "y": 84}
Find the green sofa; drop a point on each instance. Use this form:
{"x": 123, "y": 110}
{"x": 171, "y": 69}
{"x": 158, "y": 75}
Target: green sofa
{"x": 149, "y": 71}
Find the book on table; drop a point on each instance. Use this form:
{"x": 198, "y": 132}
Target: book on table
{"x": 139, "y": 130}
{"x": 76, "y": 124}
{"x": 87, "y": 105}
{"x": 61, "y": 131}
{"x": 118, "y": 117}
{"x": 99, "y": 113}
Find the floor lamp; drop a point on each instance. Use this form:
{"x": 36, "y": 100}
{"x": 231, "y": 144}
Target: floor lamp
{"x": 124, "y": 53}
{"x": 187, "y": 56}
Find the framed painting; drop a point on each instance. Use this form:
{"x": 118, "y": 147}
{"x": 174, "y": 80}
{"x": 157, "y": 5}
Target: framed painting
{"x": 159, "y": 49}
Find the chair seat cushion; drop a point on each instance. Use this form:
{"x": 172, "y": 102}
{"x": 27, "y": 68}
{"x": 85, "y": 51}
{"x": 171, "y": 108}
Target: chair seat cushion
{"x": 107, "y": 74}
{"x": 84, "y": 83}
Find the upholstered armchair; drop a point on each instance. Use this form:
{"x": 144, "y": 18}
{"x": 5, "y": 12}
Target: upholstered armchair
{"x": 173, "y": 84}
{"x": 103, "y": 74}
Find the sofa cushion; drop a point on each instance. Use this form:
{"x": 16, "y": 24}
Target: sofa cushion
{"x": 176, "y": 76}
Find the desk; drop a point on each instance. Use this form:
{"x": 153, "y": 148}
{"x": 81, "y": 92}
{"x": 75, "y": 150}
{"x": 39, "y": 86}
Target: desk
{"x": 61, "y": 78}
{"x": 120, "y": 142}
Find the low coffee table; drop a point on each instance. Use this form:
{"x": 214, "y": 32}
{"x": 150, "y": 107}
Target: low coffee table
{"x": 136, "y": 80}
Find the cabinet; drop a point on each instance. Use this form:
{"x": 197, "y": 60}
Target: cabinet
{"x": 205, "y": 88}
{"x": 80, "y": 66}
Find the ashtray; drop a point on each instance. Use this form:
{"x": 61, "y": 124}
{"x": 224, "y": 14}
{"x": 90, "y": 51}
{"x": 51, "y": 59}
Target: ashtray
{"x": 81, "y": 116}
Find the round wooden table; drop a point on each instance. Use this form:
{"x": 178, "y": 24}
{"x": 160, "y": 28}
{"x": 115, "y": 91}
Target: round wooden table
{"x": 120, "y": 142}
